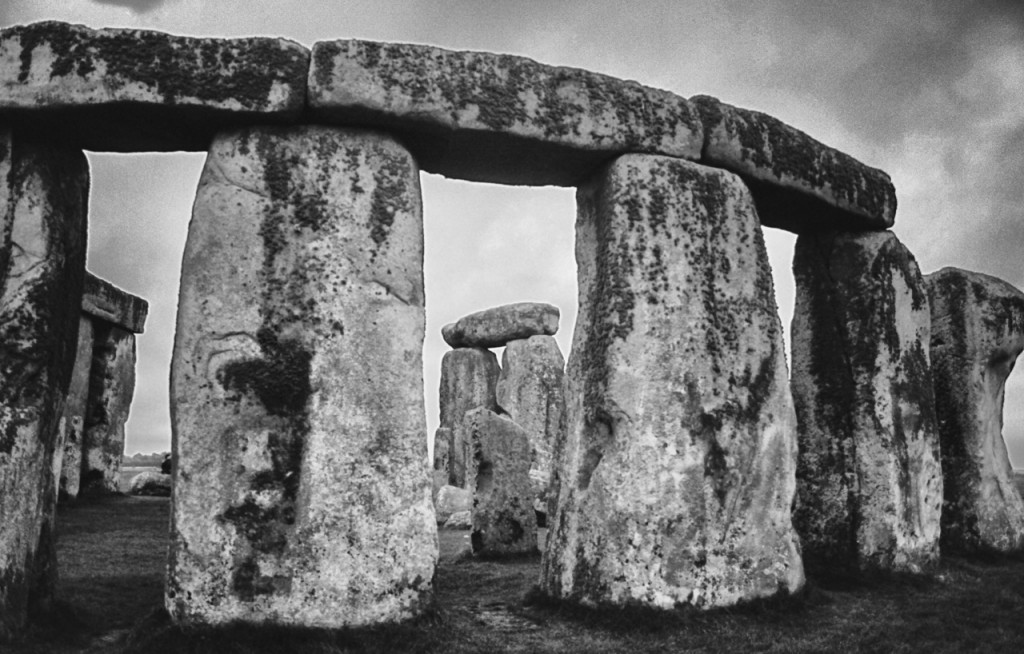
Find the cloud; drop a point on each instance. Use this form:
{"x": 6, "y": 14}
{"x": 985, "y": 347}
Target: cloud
{"x": 137, "y": 6}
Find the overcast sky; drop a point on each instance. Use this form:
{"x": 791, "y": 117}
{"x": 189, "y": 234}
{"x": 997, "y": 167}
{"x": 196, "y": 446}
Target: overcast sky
{"x": 931, "y": 92}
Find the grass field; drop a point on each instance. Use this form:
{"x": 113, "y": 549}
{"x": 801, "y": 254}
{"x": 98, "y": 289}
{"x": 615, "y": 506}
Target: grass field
{"x": 112, "y": 556}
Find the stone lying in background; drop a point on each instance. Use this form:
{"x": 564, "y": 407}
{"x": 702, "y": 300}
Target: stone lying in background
{"x": 468, "y": 377}
{"x": 869, "y": 479}
{"x": 450, "y": 500}
{"x": 151, "y": 483}
{"x": 497, "y": 326}
{"x": 977, "y": 335}
{"x": 499, "y": 118}
{"x": 504, "y": 521}
{"x": 798, "y": 183}
{"x": 126, "y": 90}
{"x": 459, "y": 520}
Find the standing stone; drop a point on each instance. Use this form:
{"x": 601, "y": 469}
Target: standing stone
{"x": 111, "y": 387}
{"x": 504, "y": 521}
{"x": 468, "y": 378}
{"x": 43, "y": 200}
{"x": 529, "y": 390}
{"x": 300, "y": 491}
{"x": 869, "y": 479}
{"x": 73, "y": 421}
{"x": 497, "y": 326}
{"x": 977, "y": 335}
{"x": 676, "y": 473}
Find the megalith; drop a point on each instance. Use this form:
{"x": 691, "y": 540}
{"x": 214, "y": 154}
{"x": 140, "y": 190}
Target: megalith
{"x": 300, "y": 491}
{"x": 504, "y": 521}
{"x": 676, "y": 473}
{"x": 977, "y": 335}
{"x": 43, "y": 206}
{"x": 468, "y": 378}
{"x": 529, "y": 391}
{"x": 72, "y": 437}
{"x": 869, "y": 478}
{"x": 497, "y": 326}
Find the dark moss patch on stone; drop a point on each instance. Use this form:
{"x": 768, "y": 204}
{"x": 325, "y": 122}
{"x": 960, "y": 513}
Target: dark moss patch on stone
{"x": 280, "y": 380}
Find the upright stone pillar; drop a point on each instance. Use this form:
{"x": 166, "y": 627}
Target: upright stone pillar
{"x": 468, "y": 377}
{"x": 75, "y": 408}
{"x": 43, "y": 200}
{"x": 869, "y": 479}
{"x": 529, "y": 390}
{"x": 675, "y": 475}
{"x": 301, "y": 494}
{"x": 977, "y": 335}
{"x": 111, "y": 388}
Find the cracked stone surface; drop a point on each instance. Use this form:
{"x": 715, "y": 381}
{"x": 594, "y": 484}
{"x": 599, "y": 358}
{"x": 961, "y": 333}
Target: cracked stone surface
{"x": 301, "y": 490}
{"x": 977, "y": 335}
{"x": 496, "y": 326}
{"x": 468, "y": 378}
{"x": 869, "y": 479}
{"x": 43, "y": 206}
{"x": 489, "y": 117}
{"x": 73, "y": 421}
{"x": 798, "y": 183}
{"x": 111, "y": 389}
{"x": 126, "y": 90}
{"x": 676, "y": 472}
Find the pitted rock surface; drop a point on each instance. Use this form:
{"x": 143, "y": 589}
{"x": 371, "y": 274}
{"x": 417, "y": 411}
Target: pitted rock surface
{"x": 496, "y": 326}
{"x": 798, "y": 183}
{"x": 468, "y": 377}
{"x": 504, "y": 522}
{"x": 530, "y": 391}
{"x": 977, "y": 335}
{"x": 676, "y": 473}
{"x": 44, "y": 195}
{"x": 127, "y": 90}
{"x": 299, "y": 341}
{"x": 111, "y": 388}
{"x": 72, "y": 438}
{"x": 489, "y": 117}
{"x": 108, "y": 302}
{"x": 869, "y": 479}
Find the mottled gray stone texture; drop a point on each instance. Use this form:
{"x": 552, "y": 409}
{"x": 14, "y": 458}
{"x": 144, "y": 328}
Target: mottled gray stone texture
{"x": 676, "y": 473}
{"x": 504, "y": 522}
{"x": 977, "y": 335}
{"x": 798, "y": 183}
{"x": 43, "y": 206}
{"x": 69, "y": 469}
{"x": 128, "y": 90}
{"x": 497, "y": 326}
{"x": 869, "y": 479}
{"x": 107, "y": 302}
{"x": 489, "y": 117}
{"x": 301, "y": 489}
{"x": 468, "y": 377}
{"x": 111, "y": 388}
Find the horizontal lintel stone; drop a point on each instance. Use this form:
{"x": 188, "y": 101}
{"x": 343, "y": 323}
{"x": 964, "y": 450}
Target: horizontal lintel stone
{"x": 498, "y": 118}
{"x": 126, "y": 90}
{"x": 798, "y": 183}
{"x": 104, "y": 300}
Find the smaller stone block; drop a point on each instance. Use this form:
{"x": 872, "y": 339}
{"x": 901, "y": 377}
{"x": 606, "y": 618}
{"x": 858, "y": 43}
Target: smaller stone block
{"x": 124, "y": 90}
{"x": 798, "y": 183}
{"x": 460, "y": 520}
{"x": 75, "y": 408}
{"x": 497, "y": 118}
{"x": 977, "y": 335}
{"x": 108, "y": 302}
{"x": 468, "y": 377}
{"x": 504, "y": 521}
{"x": 451, "y": 499}
{"x": 151, "y": 484}
{"x": 111, "y": 388}
{"x": 497, "y": 326}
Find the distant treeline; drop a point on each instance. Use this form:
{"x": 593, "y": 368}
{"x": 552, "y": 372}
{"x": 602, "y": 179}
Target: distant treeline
{"x": 141, "y": 460}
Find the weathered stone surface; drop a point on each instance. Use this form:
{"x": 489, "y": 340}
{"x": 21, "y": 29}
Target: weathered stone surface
{"x": 798, "y": 183}
{"x": 497, "y": 118}
{"x": 151, "y": 483}
{"x": 468, "y": 377}
{"x": 529, "y": 390}
{"x": 301, "y": 494}
{"x": 869, "y": 479}
{"x": 504, "y": 522}
{"x": 676, "y": 473}
{"x": 137, "y": 90}
{"x": 111, "y": 388}
{"x": 451, "y": 499}
{"x": 977, "y": 335}
{"x": 459, "y": 520}
{"x": 43, "y": 199}
{"x": 72, "y": 439}
{"x": 107, "y": 302}
{"x": 497, "y": 326}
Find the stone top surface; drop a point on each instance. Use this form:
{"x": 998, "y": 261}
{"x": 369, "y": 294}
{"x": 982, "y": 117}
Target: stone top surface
{"x": 497, "y": 326}
{"x": 136, "y": 90}
{"x": 994, "y": 306}
{"x": 497, "y": 118}
{"x": 104, "y": 300}
{"x": 776, "y": 159}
